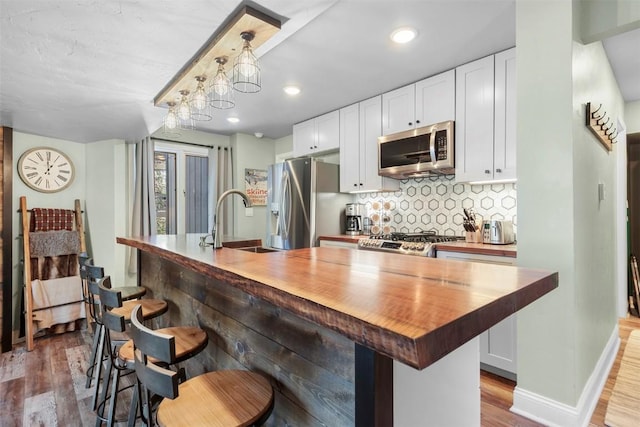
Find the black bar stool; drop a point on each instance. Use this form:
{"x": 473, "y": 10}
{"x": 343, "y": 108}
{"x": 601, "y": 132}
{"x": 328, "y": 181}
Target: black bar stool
{"x": 219, "y": 398}
{"x": 189, "y": 342}
{"x": 128, "y": 293}
{"x": 150, "y": 307}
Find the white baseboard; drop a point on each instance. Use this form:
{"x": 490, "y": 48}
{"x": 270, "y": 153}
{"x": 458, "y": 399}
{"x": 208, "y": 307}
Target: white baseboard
{"x": 556, "y": 414}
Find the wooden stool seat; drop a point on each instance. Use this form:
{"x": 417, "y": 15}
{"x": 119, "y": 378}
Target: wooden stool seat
{"x": 150, "y": 308}
{"x": 131, "y": 292}
{"x": 190, "y": 340}
{"x": 219, "y": 398}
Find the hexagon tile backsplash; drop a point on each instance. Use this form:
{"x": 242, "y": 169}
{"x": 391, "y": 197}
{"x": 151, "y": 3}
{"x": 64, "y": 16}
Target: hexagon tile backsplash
{"x": 436, "y": 203}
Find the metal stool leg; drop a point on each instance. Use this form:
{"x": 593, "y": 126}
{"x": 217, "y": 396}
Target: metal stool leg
{"x": 97, "y": 371}
{"x": 92, "y": 358}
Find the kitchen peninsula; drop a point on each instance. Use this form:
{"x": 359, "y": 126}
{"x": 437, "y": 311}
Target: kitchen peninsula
{"x": 295, "y": 316}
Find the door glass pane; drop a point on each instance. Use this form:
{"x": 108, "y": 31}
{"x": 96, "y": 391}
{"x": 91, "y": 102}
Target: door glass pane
{"x": 165, "y": 191}
{"x": 197, "y": 199}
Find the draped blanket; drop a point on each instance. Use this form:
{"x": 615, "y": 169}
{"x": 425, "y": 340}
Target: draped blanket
{"x": 58, "y": 294}
{"x": 56, "y": 283}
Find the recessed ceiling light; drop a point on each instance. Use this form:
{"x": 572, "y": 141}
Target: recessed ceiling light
{"x": 233, "y": 119}
{"x": 403, "y": 35}
{"x": 291, "y": 90}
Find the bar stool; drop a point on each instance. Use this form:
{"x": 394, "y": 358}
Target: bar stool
{"x": 151, "y": 308}
{"x": 128, "y": 293}
{"x": 189, "y": 342}
{"x": 219, "y": 398}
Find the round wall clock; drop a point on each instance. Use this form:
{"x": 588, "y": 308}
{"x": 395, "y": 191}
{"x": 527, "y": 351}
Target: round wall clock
{"x": 46, "y": 169}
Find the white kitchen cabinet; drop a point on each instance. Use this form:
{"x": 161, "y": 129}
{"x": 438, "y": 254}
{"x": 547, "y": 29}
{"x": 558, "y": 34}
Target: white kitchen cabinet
{"x": 398, "y": 109}
{"x": 485, "y": 119}
{"x": 424, "y": 103}
{"x": 336, "y": 244}
{"x": 317, "y": 135}
{"x": 436, "y": 99}
{"x": 504, "y": 141}
{"x": 360, "y": 127}
{"x": 498, "y": 345}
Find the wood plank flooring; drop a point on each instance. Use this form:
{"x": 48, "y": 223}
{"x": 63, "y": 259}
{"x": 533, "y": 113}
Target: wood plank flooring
{"x": 54, "y": 394}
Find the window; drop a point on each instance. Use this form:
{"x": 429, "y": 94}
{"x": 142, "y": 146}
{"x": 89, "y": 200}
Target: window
{"x": 164, "y": 172}
{"x": 181, "y": 189}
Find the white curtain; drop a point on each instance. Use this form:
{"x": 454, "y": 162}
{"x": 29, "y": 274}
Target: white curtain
{"x": 220, "y": 180}
{"x": 143, "y": 219}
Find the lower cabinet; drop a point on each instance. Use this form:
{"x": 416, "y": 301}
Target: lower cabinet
{"x": 498, "y": 345}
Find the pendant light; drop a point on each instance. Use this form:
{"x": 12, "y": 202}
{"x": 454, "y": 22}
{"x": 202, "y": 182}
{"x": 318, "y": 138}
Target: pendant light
{"x": 220, "y": 88}
{"x": 246, "y": 70}
{"x": 171, "y": 122}
{"x": 200, "y": 108}
{"x": 183, "y": 111}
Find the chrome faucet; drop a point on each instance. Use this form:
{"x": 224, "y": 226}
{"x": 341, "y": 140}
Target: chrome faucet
{"x": 217, "y": 237}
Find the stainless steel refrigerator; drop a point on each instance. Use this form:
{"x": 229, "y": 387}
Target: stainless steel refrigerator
{"x": 303, "y": 203}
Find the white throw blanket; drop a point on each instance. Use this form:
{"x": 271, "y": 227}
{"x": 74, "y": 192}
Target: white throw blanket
{"x": 54, "y": 292}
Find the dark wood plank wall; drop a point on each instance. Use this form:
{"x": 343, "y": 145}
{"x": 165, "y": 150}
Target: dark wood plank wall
{"x": 310, "y": 367}
{"x": 6, "y": 248}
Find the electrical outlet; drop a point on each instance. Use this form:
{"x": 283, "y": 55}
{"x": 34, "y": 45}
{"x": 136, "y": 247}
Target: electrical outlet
{"x": 248, "y": 211}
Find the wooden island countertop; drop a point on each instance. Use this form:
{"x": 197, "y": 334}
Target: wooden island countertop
{"x": 414, "y": 310}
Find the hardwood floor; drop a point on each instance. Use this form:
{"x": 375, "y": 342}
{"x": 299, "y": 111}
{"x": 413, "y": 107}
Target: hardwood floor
{"x": 625, "y": 326}
{"x": 54, "y": 393}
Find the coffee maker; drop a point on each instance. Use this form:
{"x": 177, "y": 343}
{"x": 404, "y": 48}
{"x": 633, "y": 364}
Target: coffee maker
{"x": 353, "y": 215}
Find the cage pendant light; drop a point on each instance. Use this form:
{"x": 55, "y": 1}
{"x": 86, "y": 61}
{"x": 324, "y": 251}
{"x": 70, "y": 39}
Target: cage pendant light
{"x": 246, "y": 70}
{"x": 199, "y": 103}
{"x": 183, "y": 111}
{"x": 171, "y": 122}
{"x": 220, "y": 88}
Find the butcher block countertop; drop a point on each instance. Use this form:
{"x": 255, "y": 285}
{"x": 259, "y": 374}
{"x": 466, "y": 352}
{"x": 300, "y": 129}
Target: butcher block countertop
{"x": 413, "y": 310}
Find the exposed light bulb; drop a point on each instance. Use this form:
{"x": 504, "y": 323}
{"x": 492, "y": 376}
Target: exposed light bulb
{"x": 247, "y": 63}
{"x": 171, "y": 120}
{"x": 199, "y": 98}
{"x": 184, "y": 110}
{"x": 221, "y": 83}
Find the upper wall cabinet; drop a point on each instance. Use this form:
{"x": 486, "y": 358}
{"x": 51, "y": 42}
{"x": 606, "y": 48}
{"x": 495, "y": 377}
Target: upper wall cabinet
{"x": 485, "y": 119}
{"x": 426, "y": 102}
{"x": 360, "y": 127}
{"x": 317, "y": 135}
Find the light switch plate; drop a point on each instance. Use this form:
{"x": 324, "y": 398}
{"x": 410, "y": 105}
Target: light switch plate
{"x": 601, "y": 192}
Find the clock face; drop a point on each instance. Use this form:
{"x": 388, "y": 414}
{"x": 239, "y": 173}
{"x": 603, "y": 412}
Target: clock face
{"x": 46, "y": 169}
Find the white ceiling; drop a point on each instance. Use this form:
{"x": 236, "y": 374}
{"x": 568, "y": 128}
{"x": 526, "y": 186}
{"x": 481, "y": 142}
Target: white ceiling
{"x": 87, "y": 70}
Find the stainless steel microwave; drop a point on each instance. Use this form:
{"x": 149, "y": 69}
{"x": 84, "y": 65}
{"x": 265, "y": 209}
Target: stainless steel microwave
{"x": 417, "y": 152}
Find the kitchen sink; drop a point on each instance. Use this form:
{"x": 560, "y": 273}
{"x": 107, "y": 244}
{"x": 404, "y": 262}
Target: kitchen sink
{"x": 257, "y": 249}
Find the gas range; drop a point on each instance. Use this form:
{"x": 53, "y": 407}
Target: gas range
{"x": 417, "y": 244}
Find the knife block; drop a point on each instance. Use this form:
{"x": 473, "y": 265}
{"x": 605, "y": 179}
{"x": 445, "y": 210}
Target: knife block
{"x": 473, "y": 236}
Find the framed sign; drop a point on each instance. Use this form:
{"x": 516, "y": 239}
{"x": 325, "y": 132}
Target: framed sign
{"x": 255, "y": 181}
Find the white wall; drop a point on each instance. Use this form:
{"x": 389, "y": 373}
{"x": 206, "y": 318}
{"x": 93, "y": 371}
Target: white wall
{"x": 632, "y": 116}
{"x": 604, "y": 18}
{"x": 562, "y": 225}
{"x": 107, "y": 208}
{"x": 250, "y": 152}
{"x": 64, "y": 199}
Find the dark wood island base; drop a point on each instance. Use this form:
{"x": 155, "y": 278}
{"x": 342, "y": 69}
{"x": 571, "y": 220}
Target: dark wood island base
{"x": 295, "y": 316}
